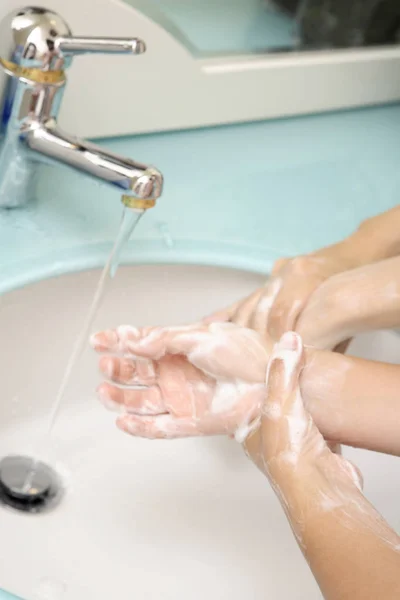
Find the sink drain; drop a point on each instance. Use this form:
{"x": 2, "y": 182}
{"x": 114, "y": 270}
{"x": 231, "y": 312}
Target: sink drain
{"x": 28, "y": 485}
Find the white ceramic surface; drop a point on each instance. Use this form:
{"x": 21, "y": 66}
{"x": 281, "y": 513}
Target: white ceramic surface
{"x": 188, "y": 519}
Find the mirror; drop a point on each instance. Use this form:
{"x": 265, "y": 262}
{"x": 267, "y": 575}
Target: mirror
{"x": 229, "y": 27}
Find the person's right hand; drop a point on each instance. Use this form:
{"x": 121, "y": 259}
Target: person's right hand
{"x": 193, "y": 380}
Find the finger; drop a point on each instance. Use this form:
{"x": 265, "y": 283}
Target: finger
{"x": 283, "y": 415}
{"x": 127, "y": 371}
{"x": 228, "y": 314}
{"x": 159, "y": 427}
{"x": 114, "y": 340}
{"x": 279, "y": 265}
{"x": 259, "y": 320}
{"x": 159, "y": 341}
{"x": 105, "y": 341}
{"x": 282, "y": 380}
{"x": 288, "y": 305}
{"x": 284, "y": 369}
{"x": 141, "y": 401}
{"x": 244, "y": 311}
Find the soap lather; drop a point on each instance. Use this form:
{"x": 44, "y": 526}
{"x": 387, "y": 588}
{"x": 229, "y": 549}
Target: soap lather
{"x": 36, "y": 47}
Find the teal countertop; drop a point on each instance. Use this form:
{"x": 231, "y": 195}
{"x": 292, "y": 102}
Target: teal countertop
{"x": 238, "y": 196}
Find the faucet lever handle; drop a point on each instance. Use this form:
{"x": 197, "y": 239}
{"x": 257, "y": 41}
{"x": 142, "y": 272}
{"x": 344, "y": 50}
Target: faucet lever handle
{"x": 99, "y": 45}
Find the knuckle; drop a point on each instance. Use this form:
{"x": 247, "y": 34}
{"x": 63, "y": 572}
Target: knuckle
{"x": 279, "y": 264}
{"x": 301, "y": 265}
{"x": 278, "y": 311}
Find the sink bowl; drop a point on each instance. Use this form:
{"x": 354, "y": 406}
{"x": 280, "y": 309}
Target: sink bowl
{"x": 143, "y": 519}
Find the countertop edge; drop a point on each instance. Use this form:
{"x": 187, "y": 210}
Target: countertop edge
{"x": 248, "y": 258}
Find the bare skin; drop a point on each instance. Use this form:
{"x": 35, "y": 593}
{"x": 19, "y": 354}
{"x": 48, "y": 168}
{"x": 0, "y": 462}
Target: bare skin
{"x": 351, "y": 550}
{"x": 277, "y": 306}
{"x": 352, "y": 302}
{"x": 185, "y": 369}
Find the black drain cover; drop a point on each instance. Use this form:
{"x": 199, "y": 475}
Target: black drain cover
{"x": 28, "y": 485}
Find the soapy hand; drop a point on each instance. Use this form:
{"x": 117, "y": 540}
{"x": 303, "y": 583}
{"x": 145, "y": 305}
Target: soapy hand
{"x": 351, "y": 550}
{"x": 287, "y": 446}
{"x": 275, "y": 308}
{"x": 184, "y": 381}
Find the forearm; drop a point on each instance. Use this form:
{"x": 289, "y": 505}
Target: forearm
{"x": 353, "y": 401}
{"x": 375, "y": 239}
{"x": 362, "y": 299}
{"x": 351, "y": 550}
{"x": 380, "y": 235}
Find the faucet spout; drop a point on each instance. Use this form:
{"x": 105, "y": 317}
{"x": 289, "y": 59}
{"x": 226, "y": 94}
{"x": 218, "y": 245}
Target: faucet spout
{"x": 28, "y": 117}
{"x": 133, "y": 179}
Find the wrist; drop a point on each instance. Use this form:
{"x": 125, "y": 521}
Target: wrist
{"x": 375, "y": 239}
{"x": 351, "y": 252}
{"x": 370, "y": 242}
{"x": 299, "y": 490}
{"x": 331, "y": 315}
{"x": 321, "y": 384}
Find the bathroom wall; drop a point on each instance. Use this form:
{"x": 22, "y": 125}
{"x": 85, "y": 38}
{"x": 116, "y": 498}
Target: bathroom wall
{"x": 195, "y": 74}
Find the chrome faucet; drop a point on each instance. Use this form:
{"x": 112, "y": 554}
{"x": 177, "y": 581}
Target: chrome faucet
{"x": 36, "y": 47}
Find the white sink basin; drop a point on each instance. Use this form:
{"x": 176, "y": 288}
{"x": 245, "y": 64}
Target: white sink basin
{"x": 179, "y": 520}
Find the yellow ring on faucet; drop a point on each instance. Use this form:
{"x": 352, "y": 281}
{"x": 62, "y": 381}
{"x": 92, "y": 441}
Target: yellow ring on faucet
{"x": 33, "y": 75}
{"x": 138, "y": 203}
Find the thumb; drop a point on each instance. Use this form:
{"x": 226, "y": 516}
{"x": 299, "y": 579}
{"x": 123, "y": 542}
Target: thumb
{"x": 283, "y": 415}
{"x": 156, "y": 342}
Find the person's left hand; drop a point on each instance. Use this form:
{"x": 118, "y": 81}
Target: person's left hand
{"x": 184, "y": 381}
{"x": 275, "y": 308}
{"x": 279, "y": 305}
